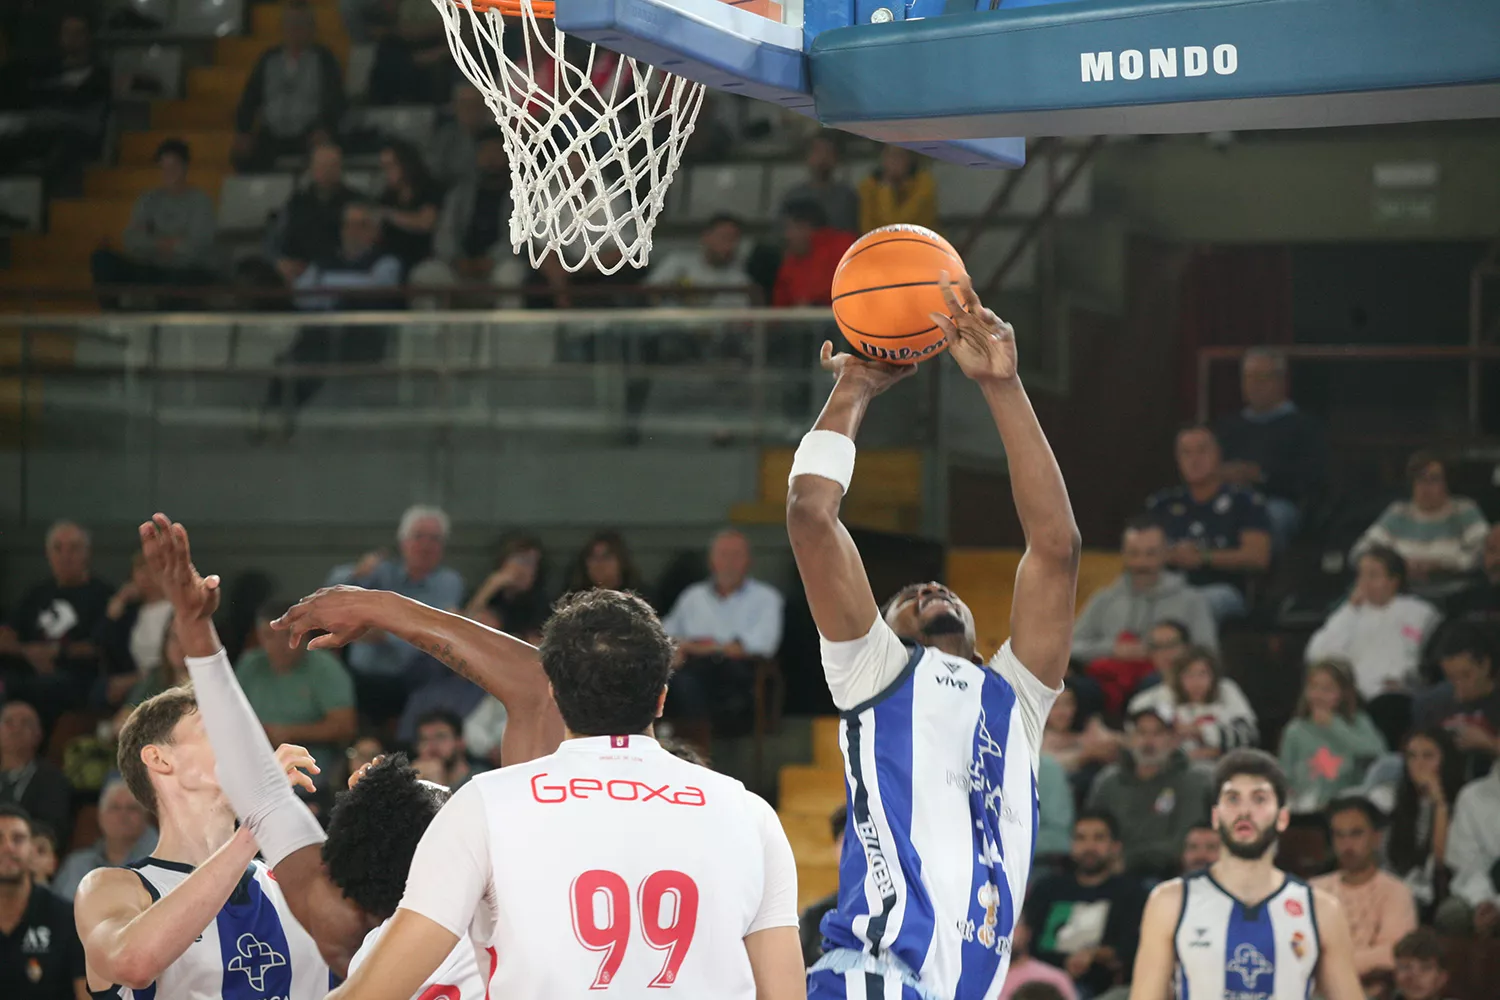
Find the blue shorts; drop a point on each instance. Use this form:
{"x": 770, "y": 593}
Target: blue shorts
{"x": 857, "y": 984}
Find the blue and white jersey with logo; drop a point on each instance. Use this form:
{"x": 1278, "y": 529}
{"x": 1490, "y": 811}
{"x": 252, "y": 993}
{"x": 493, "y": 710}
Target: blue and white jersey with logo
{"x": 1229, "y": 951}
{"x": 253, "y": 950}
{"x": 940, "y": 768}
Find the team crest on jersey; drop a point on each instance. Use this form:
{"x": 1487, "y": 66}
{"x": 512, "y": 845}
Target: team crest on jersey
{"x": 1249, "y": 964}
{"x": 989, "y": 898}
{"x": 1299, "y": 945}
{"x": 255, "y": 958}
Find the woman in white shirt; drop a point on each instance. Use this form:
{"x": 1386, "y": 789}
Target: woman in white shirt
{"x": 1378, "y": 629}
{"x": 1209, "y": 710}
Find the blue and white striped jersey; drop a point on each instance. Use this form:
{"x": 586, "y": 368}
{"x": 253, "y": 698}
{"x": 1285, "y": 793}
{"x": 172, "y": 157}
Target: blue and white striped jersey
{"x": 1229, "y": 951}
{"x": 940, "y": 768}
{"x": 253, "y": 950}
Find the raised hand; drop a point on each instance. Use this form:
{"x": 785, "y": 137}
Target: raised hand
{"x": 298, "y": 764}
{"x": 874, "y": 377}
{"x": 170, "y": 558}
{"x": 342, "y": 612}
{"x": 983, "y": 344}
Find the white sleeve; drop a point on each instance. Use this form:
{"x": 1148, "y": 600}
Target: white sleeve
{"x": 451, "y": 873}
{"x": 859, "y": 669}
{"x": 1034, "y": 697}
{"x": 778, "y": 900}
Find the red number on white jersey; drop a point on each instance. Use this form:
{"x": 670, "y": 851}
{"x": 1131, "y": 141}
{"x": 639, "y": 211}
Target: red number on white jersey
{"x": 668, "y": 903}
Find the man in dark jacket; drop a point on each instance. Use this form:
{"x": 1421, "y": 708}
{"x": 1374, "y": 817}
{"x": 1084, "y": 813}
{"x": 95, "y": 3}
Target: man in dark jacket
{"x": 310, "y": 225}
{"x": 293, "y": 99}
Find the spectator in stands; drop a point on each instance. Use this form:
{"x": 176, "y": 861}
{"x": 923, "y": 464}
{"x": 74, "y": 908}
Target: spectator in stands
{"x": 1111, "y": 633}
{"x": 409, "y": 203}
{"x": 898, "y": 191}
{"x": 441, "y": 756}
{"x": 453, "y": 152}
{"x": 1467, "y": 702}
{"x": 294, "y": 98}
{"x": 1328, "y": 746}
{"x": 1078, "y": 742}
{"x": 1167, "y": 640}
{"x": 472, "y": 241}
{"x": 50, "y": 636}
{"x": 605, "y": 562}
{"x": 365, "y": 749}
{"x": 811, "y": 254}
{"x": 1089, "y": 919}
{"x": 1377, "y": 904}
{"x": 383, "y": 665}
{"x": 811, "y": 919}
{"x": 362, "y": 265}
{"x": 125, "y": 835}
{"x": 169, "y": 673}
{"x": 717, "y": 263}
{"x": 1054, "y": 828}
{"x": 1217, "y": 533}
{"x": 1417, "y": 845}
{"x": 1154, "y": 793}
{"x": 133, "y": 633}
{"x": 1379, "y": 629}
{"x": 170, "y": 237}
{"x": 1026, "y": 970}
{"x": 1439, "y": 535}
{"x": 412, "y": 61}
{"x": 722, "y": 625}
{"x": 1201, "y": 847}
{"x": 302, "y": 696}
{"x": 1481, "y": 599}
{"x": 1474, "y": 857}
{"x": 310, "y": 225}
{"x": 26, "y": 779}
{"x": 59, "y": 105}
{"x": 1272, "y": 446}
{"x": 1208, "y": 710}
{"x": 513, "y": 598}
{"x": 1419, "y": 966}
{"x": 40, "y": 935}
{"x": 45, "y": 853}
{"x": 1117, "y": 620}
{"x": 839, "y": 201}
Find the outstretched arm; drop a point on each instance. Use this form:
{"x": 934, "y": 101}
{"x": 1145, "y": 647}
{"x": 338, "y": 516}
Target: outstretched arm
{"x": 248, "y": 770}
{"x": 838, "y": 591}
{"x": 501, "y": 664}
{"x": 1041, "y": 615}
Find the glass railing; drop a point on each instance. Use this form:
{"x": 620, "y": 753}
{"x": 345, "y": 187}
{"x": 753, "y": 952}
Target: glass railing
{"x": 78, "y": 389}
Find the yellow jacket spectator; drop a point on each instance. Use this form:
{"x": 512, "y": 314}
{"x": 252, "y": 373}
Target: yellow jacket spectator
{"x": 897, "y": 192}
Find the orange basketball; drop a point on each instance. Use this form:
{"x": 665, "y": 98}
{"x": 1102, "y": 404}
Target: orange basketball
{"x": 884, "y": 289}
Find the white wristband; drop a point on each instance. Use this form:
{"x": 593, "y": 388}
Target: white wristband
{"x": 828, "y": 454}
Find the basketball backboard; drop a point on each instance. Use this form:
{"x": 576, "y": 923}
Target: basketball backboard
{"x": 943, "y": 75}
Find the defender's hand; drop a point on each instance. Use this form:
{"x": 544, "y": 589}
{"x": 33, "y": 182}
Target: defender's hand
{"x": 983, "y": 344}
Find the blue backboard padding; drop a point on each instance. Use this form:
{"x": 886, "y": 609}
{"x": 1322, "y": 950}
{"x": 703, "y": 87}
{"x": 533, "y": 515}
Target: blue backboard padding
{"x": 944, "y": 76}
{"x": 742, "y": 53}
{"x": 715, "y": 44}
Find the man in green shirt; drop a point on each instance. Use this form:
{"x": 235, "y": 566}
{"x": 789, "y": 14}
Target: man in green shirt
{"x": 301, "y": 696}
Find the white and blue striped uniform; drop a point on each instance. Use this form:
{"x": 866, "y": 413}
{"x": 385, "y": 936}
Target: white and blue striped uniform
{"x": 253, "y": 950}
{"x": 1227, "y": 950}
{"x": 940, "y": 768}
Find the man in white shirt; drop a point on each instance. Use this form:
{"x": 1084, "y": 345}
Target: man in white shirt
{"x": 1474, "y": 855}
{"x": 722, "y": 625}
{"x": 609, "y": 862}
{"x": 1379, "y": 629}
{"x": 717, "y": 263}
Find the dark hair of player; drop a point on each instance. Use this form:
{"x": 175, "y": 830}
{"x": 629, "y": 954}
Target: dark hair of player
{"x": 1256, "y": 764}
{"x": 608, "y": 659}
{"x": 373, "y": 834}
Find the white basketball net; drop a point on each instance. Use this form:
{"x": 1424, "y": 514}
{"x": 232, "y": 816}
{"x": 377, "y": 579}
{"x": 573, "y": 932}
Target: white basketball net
{"x": 593, "y": 143}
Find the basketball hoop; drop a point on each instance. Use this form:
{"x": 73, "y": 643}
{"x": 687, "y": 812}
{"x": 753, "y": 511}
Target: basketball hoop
{"x": 593, "y": 137}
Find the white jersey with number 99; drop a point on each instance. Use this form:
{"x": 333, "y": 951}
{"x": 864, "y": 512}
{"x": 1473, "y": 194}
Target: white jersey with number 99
{"x": 610, "y": 867}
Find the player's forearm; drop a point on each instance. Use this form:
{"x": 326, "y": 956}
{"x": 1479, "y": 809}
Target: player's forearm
{"x": 163, "y": 931}
{"x": 197, "y": 635}
{"x": 1037, "y": 486}
{"x": 501, "y": 664}
{"x": 812, "y": 501}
